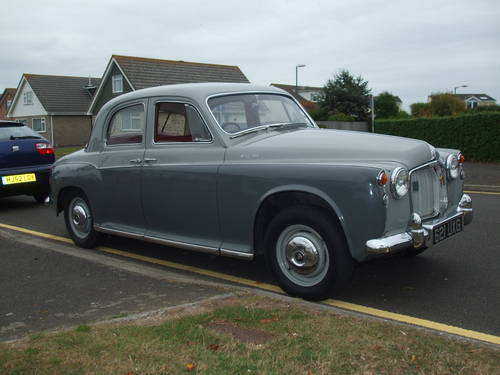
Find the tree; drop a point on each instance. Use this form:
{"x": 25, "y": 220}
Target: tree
{"x": 446, "y": 104}
{"x": 421, "y": 110}
{"x": 386, "y": 105}
{"x": 347, "y": 95}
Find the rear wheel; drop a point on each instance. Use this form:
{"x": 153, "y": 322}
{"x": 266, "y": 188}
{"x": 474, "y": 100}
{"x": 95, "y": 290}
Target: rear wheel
{"x": 80, "y": 222}
{"x": 307, "y": 253}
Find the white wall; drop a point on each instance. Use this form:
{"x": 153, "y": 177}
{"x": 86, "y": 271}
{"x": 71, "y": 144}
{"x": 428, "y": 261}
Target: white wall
{"x": 20, "y": 109}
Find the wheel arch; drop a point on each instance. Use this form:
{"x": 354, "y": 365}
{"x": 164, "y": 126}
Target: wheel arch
{"x": 280, "y": 198}
{"x": 64, "y": 194}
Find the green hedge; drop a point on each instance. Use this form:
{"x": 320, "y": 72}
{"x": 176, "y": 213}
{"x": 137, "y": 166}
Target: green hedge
{"x": 476, "y": 135}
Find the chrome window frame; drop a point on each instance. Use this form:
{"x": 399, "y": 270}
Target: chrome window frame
{"x": 154, "y": 103}
{"x": 111, "y": 114}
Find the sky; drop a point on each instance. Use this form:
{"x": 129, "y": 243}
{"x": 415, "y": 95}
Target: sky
{"x": 408, "y": 48}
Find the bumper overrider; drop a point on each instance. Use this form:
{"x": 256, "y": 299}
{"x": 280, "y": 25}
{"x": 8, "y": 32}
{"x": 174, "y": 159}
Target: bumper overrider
{"x": 418, "y": 234}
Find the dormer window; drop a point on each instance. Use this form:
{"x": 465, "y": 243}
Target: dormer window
{"x": 117, "y": 83}
{"x": 28, "y": 97}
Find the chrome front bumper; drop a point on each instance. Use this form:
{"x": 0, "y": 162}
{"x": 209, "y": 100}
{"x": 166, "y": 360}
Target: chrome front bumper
{"x": 418, "y": 235}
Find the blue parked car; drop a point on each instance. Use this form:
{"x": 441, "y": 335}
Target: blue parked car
{"x": 25, "y": 161}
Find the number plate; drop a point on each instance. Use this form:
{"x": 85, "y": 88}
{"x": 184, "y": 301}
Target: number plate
{"x": 448, "y": 229}
{"x": 18, "y": 178}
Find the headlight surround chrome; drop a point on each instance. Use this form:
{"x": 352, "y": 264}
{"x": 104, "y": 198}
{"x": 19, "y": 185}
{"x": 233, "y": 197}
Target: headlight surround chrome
{"x": 452, "y": 166}
{"x": 399, "y": 182}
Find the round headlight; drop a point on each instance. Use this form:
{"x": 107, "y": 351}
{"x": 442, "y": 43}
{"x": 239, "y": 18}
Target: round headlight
{"x": 399, "y": 182}
{"x": 452, "y": 166}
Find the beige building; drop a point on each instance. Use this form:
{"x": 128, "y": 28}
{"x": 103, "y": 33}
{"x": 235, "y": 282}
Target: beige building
{"x": 472, "y": 101}
{"x": 56, "y": 107}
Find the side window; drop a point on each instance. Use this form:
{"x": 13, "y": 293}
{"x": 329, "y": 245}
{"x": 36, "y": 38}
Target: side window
{"x": 126, "y": 126}
{"x": 178, "y": 122}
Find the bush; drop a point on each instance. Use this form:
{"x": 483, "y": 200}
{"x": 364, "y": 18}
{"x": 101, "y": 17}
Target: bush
{"x": 476, "y": 135}
{"x": 318, "y": 114}
{"x": 486, "y": 108}
{"x": 446, "y": 104}
{"x": 340, "y": 117}
{"x": 420, "y": 109}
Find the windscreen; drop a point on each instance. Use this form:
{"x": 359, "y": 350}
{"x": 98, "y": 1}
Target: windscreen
{"x": 239, "y": 112}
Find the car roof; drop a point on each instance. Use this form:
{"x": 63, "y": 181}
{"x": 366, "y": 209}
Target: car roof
{"x": 197, "y": 91}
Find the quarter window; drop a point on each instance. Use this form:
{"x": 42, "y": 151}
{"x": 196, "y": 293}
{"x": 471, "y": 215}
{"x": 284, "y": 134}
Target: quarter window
{"x": 179, "y": 122}
{"x": 117, "y": 83}
{"x": 38, "y": 125}
{"x": 126, "y": 126}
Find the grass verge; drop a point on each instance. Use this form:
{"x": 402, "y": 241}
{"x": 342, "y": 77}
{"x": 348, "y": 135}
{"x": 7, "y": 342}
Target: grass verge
{"x": 63, "y": 151}
{"x": 247, "y": 335}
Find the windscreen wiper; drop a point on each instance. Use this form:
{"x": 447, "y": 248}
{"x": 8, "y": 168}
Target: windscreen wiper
{"x": 281, "y": 125}
{"x": 12, "y": 137}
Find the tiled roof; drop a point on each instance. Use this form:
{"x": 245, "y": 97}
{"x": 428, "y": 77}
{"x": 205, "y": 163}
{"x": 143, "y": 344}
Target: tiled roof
{"x": 145, "y": 72}
{"x": 478, "y": 96}
{"x": 62, "y": 94}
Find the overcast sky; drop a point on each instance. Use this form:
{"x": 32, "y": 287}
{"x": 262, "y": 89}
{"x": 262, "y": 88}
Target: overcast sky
{"x": 409, "y": 48}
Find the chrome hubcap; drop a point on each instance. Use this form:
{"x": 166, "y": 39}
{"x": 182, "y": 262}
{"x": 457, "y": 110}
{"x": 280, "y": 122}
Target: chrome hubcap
{"x": 301, "y": 254}
{"x": 80, "y": 219}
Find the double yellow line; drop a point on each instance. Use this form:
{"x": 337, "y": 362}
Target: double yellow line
{"x": 273, "y": 288}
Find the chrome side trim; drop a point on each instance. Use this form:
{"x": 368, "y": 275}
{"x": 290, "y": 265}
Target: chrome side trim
{"x": 177, "y": 244}
{"x": 182, "y": 245}
{"x": 236, "y": 254}
{"x": 116, "y": 232}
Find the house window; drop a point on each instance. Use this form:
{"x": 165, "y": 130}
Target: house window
{"x": 38, "y": 125}
{"x": 24, "y": 122}
{"x": 28, "y": 97}
{"x": 117, "y": 82}
{"x": 471, "y": 104}
{"x": 9, "y": 102}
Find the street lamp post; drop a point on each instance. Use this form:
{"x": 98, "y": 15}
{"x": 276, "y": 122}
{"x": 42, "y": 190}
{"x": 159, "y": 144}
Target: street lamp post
{"x": 297, "y": 75}
{"x": 457, "y": 87}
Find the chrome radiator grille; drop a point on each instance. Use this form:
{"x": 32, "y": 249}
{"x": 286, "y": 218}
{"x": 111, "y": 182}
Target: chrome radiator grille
{"x": 428, "y": 190}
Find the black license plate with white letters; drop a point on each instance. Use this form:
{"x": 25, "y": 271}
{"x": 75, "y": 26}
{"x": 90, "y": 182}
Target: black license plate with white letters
{"x": 448, "y": 229}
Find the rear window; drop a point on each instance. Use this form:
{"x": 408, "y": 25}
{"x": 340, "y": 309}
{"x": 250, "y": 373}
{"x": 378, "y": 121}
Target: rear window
{"x": 14, "y": 131}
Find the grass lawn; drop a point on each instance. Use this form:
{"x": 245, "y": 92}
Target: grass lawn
{"x": 247, "y": 335}
{"x": 62, "y": 151}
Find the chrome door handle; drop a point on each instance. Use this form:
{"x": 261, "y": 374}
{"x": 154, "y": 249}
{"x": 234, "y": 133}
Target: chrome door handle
{"x": 150, "y": 160}
{"x": 136, "y": 161}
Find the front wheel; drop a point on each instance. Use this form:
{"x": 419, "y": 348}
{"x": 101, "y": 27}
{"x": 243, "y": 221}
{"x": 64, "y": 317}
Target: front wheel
{"x": 307, "y": 252}
{"x": 79, "y": 221}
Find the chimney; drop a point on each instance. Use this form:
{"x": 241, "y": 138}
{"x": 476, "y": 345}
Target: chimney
{"x": 90, "y": 87}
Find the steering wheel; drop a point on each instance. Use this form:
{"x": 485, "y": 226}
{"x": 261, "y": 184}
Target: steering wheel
{"x": 231, "y": 127}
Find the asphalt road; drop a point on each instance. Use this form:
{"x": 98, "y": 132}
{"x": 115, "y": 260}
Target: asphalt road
{"x": 456, "y": 283}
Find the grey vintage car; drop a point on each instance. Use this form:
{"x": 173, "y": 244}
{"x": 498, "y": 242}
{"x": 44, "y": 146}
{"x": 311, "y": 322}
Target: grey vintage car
{"x": 241, "y": 170}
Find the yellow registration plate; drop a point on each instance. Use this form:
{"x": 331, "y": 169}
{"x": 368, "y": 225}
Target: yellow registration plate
{"x": 18, "y": 178}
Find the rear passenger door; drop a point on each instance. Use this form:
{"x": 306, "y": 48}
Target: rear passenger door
{"x": 180, "y": 176}
{"x": 120, "y": 167}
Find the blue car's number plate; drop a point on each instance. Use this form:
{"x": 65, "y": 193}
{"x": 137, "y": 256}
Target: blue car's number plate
{"x": 18, "y": 178}
{"x": 448, "y": 229}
